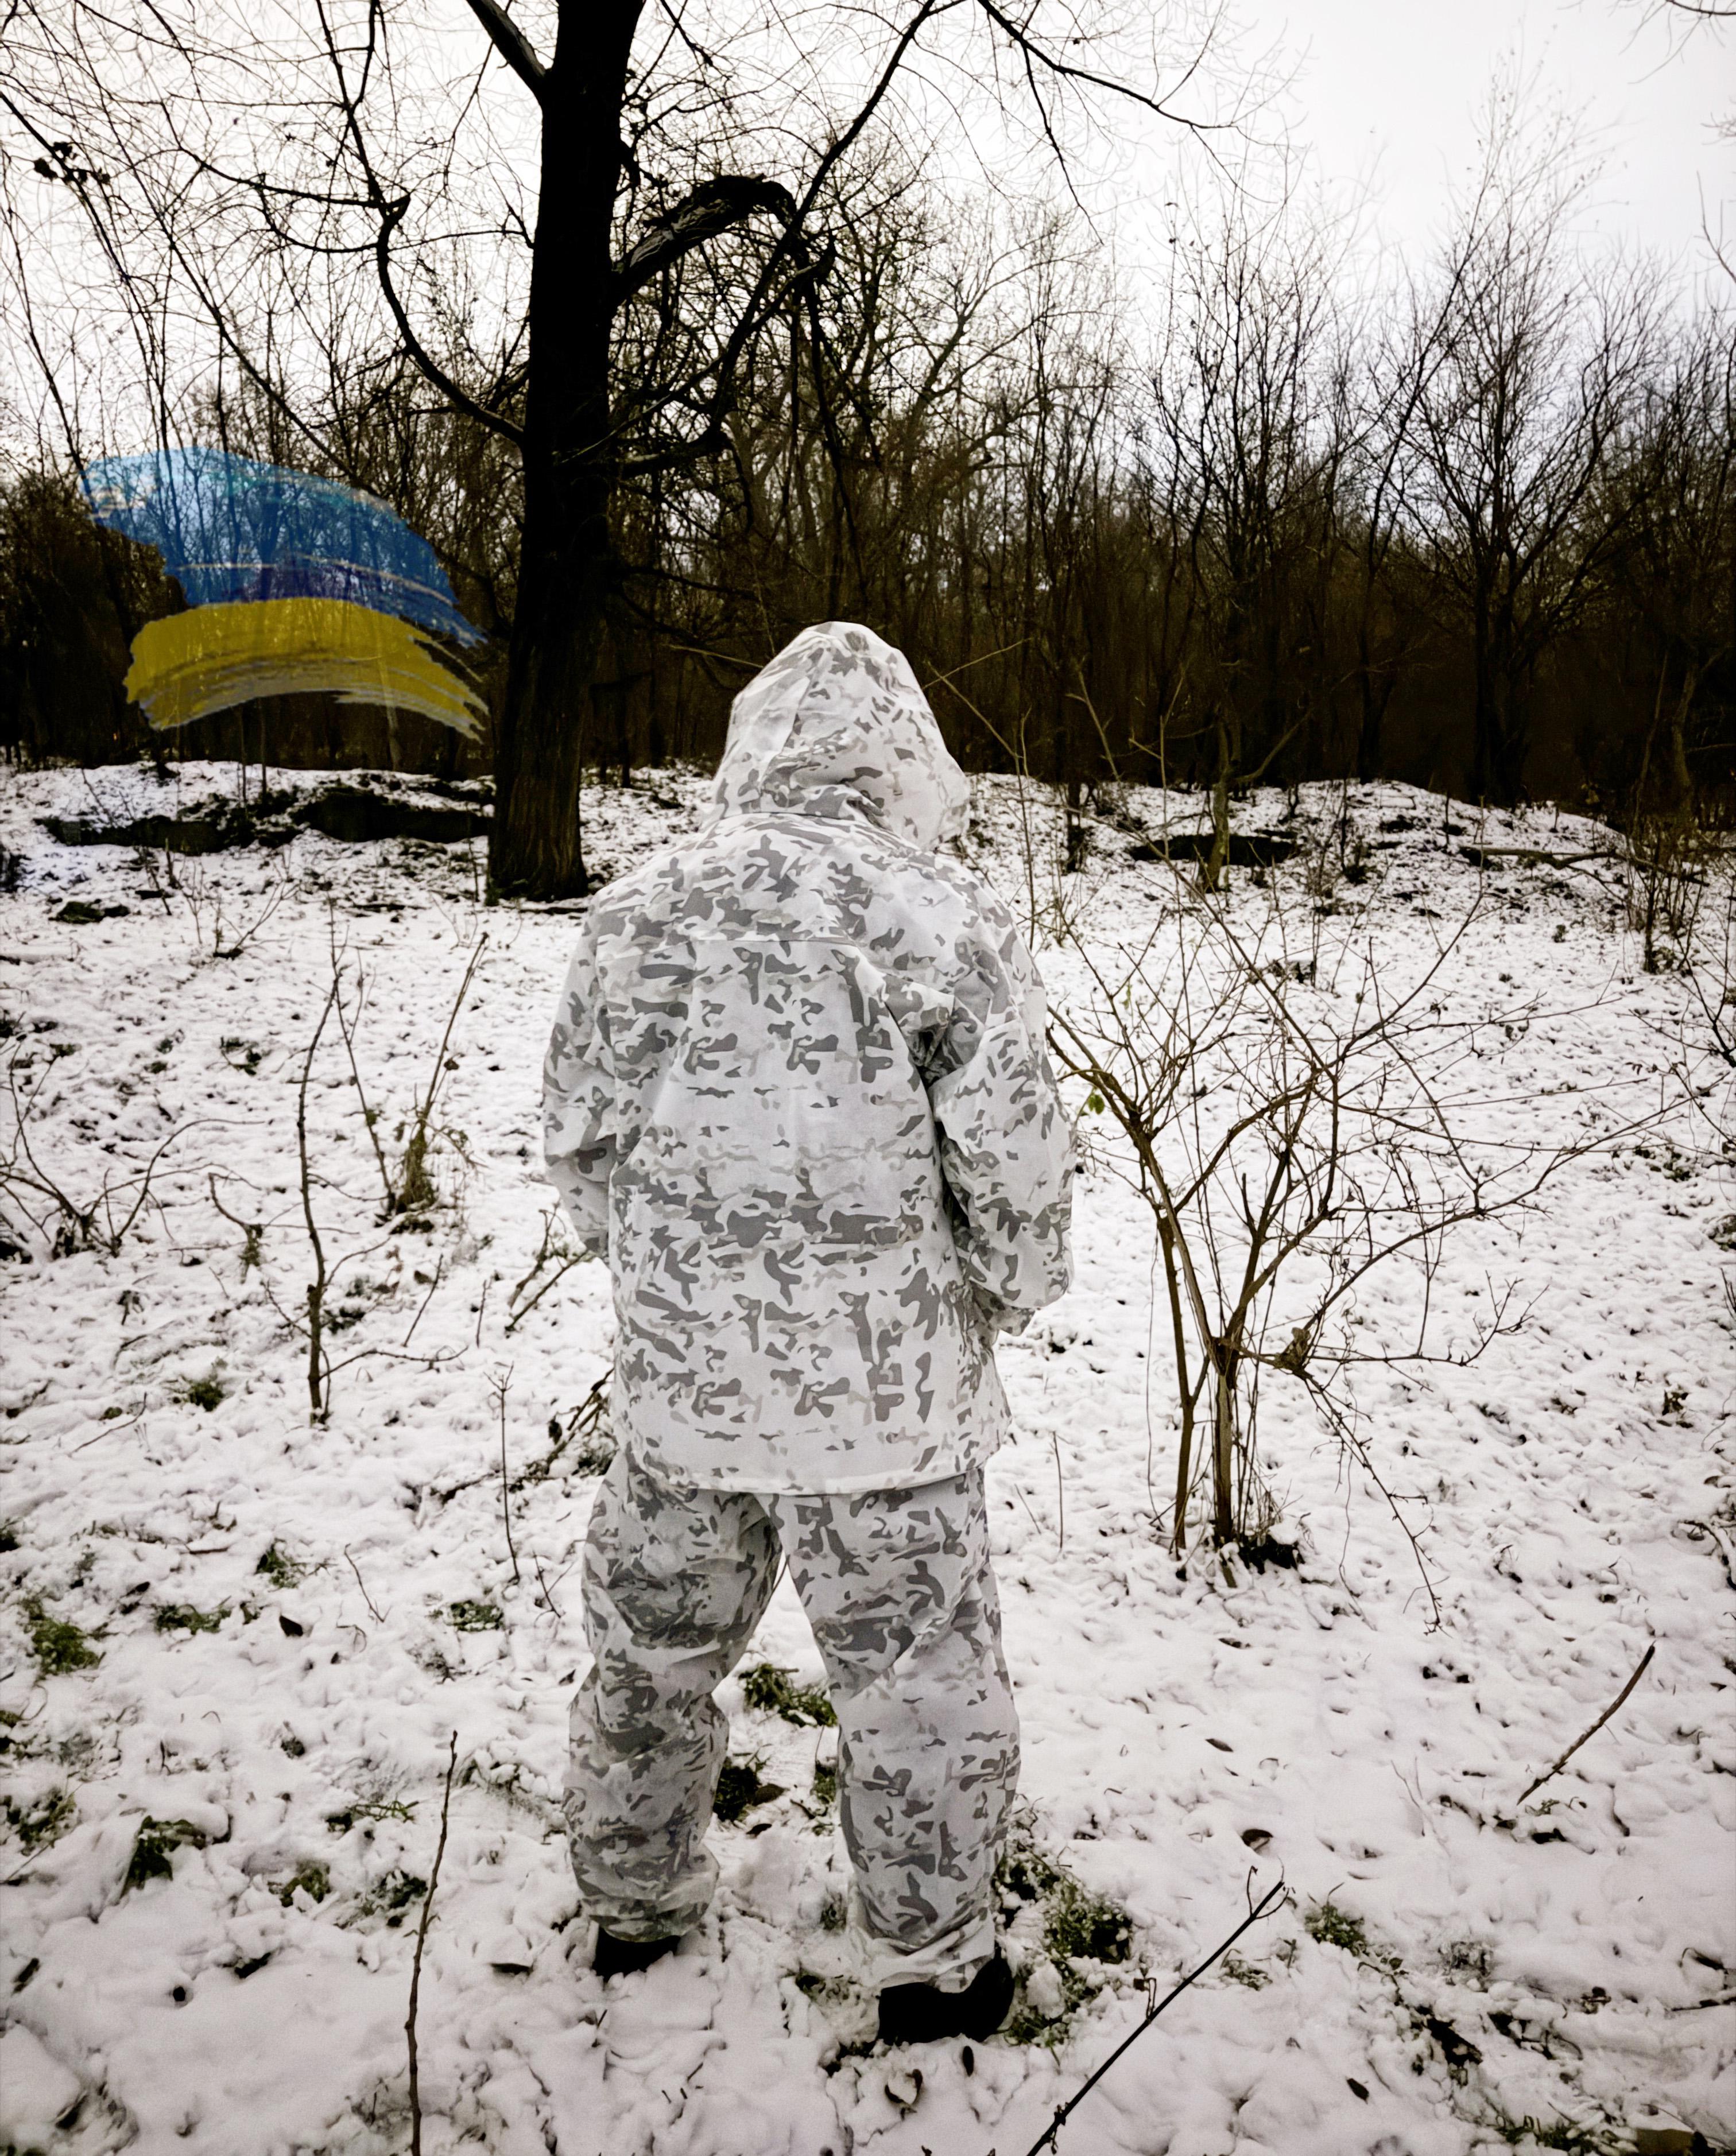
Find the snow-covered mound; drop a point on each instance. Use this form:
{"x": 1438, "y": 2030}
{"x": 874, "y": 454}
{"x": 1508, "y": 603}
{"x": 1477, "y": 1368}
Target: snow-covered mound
{"x": 237, "y": 1644}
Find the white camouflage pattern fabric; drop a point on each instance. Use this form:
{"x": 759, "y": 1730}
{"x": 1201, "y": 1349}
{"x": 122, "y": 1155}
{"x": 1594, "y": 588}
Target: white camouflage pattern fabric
{"x": 797, "y": 1092}
{"x": 898, "y": 1587}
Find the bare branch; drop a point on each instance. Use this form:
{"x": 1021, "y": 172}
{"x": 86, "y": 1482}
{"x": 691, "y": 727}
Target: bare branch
{"x": 512, "y": 45}
{"x": 714, "y": 207}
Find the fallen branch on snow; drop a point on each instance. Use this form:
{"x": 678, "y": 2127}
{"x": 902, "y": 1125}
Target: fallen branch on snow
{"x": 1549, "y": 1776}
{"x": 1046, "y": 2139}
{"x": 433, "y": 1881}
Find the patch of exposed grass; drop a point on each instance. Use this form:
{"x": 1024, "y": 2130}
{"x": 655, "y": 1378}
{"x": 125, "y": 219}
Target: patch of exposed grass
{"x": 739, "y": 1789}
{"x": 595, "y": 1456}
{"x": 282, "y": 1571}
{"x": 1471, "y": 1958}
{"x": 1024, "y": 1874}
{"x": 1564, "y": 2133}
{"x": 241, "y": 1054}
{"x": 1082, "y": 1937}
{"x": 39, "y": 1825}
{"x": 769, "y": 1690}
{"x": 371, "y": 1808}
{"x": 207, "y": 1392}
{"x": 1029, "y": 2024}
{"x": 154, "y": 1848}
{"x": 393, "y": 1897}
{"x": 58, "y": 1645}
{"x": 825, "y": 1782}
{"x": 1244, "y": 1972}
{"x": 1333, "y": 1927}
{"x": 474, "y": 1616}
{"x": 1085, "y": 1926}
{"x": 182, "y": 1617}
{"x": 312, "y": 1878}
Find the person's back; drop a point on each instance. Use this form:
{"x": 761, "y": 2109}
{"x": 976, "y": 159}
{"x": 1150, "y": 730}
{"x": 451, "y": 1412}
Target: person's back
{"x": 797, "y": 1092}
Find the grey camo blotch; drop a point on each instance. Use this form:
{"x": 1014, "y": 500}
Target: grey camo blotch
{"x": 797, "y": 1093}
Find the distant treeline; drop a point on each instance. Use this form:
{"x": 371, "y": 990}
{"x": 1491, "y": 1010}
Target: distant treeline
{"x": 1480, "y": 535}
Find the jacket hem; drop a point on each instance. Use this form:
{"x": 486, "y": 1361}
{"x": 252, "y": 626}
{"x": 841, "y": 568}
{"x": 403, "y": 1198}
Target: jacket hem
{"x": 749, "y": 1481}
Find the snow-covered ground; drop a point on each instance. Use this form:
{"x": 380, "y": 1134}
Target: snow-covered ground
{"x": 291, "y": 1623}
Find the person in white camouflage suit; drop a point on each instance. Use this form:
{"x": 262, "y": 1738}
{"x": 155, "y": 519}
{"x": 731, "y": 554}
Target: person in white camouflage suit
{"x": 797, "y": 1094}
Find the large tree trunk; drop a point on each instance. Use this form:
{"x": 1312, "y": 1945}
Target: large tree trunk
{"x": 1504, "y": 738}
{"x": 534, "y": 848}
{"x": 1515, "y": 741}
{"x": 1485, "y": 725}
{"x": 566, "y": 567}
{"x": 1488, "y": 716}
{"x": 1374, "y": 694}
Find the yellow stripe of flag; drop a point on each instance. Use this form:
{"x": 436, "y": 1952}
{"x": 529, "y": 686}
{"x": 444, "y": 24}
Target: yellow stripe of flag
{"x": 190, "y": 664}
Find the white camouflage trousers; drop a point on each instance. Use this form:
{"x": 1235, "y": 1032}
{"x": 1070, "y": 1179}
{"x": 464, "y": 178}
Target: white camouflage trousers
{"x": 898, "y": 1587}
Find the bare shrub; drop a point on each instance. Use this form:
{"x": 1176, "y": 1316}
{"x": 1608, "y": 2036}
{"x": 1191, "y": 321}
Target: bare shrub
{"x": 1291, "y": 1138}
{"x": 42, "y": 1194}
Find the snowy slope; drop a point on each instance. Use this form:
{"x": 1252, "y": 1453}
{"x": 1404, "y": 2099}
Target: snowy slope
{"x": 1183, "y": 1729}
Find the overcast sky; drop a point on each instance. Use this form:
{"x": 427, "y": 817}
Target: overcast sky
{"x": 1390, "y": 88}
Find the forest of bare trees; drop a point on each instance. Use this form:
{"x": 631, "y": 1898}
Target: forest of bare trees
{"x": 1468, "y": 520}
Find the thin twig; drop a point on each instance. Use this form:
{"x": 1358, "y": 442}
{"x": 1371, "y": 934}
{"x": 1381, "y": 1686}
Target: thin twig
{"x": 539, "y": 1261}
{"x": 548, "y": 1599}
{"x": 500, "y": 1386}
{"x": 253, "y": 1231}
{"x": 1046, "y": 2139}
{"x": 415, "y": 1191}
{"x": 317, "y": 1401}
{"x": 369, "y": 1119}
{"x": 1645, "y": 1664}
{"x": 553, "y": 1280}
{"x": 428, "y": 1899}
{"x": 1061, "y": 1502}
{"x": 439, "y": 1267}
{"x": 377, "y": 1617}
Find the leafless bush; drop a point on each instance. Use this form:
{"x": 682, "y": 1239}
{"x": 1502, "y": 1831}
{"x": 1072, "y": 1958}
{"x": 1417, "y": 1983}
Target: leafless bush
{"x": 222, "y": 925}
{"x": 1291, "y": 1141}
{"x": 555, "y": 1250}
{"x": 407, "y": 1185}
{"x": 315, "y": 1321}
{"x": 1670, "y": 859}
{"x": 40, "y": 1194}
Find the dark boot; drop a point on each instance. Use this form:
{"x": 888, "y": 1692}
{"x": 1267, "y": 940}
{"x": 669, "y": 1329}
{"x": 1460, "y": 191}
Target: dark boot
{"x": 621, "y": 1956}
{"x": 919, "y": 2014}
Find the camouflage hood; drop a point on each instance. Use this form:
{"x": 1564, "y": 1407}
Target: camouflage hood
{"x": 836, "y": 725}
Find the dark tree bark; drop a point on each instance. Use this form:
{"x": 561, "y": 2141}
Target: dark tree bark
{"x": 566, "y": 567}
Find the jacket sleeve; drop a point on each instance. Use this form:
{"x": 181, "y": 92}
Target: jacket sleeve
{"x": 1006, "y": 1144}
{"x": 578, "y": 1101}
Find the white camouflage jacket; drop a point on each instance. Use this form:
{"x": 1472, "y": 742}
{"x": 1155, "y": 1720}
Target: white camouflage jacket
{"x": 797, "y": 1093}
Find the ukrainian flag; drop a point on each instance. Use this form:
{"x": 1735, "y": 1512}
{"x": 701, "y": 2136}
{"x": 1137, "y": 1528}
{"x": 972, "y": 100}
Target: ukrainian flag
{"x": 292, "y": 582}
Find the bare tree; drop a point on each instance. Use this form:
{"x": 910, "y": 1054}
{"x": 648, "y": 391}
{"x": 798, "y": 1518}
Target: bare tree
{"x": 1250, "y": 468}
{"x": 1674, "y": 497}
{"x": 253, "y": 173}
{"x": 1539, "y": 357}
